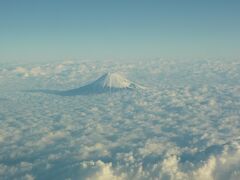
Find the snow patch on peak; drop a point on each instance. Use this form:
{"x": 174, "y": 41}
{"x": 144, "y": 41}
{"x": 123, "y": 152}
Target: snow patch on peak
{"x": 113, "y": 80}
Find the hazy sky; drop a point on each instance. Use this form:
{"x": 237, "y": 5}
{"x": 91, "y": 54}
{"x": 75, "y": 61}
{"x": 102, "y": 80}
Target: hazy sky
{"x": 35, "y": 30}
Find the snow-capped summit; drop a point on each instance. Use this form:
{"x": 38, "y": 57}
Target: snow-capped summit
{"x": 112, "y": 80}
{"x": 109, "y": 82}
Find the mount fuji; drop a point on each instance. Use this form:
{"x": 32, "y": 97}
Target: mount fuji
{"x": 107, "y": 83}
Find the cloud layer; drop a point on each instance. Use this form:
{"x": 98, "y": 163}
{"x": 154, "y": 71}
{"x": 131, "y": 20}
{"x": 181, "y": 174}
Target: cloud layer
{"x": 184, "y": 126}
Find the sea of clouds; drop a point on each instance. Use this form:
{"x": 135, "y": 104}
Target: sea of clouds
{"x": 185, "y": 125}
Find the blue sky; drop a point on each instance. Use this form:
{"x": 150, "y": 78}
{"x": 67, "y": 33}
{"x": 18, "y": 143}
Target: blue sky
{"x": 59, "y": 29}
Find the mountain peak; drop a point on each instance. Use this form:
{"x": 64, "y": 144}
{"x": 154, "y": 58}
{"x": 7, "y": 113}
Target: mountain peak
{"x": 109, "y": 82}
{"x": 112, "y": 80}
